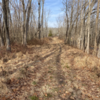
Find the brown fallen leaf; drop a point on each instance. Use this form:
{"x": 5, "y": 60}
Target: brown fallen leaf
{"x": 45, "y": 94}
{"x": 67, "y": 92}
{"x": 3, "y": 98}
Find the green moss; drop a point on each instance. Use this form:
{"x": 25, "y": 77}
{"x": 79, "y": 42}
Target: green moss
{"x": 34, "y": 98}
{"x": 34, "y": 83}
{"x": 51, "y": 77}
{"x": 56, "y": 89}
{"x": 66, "y": 66}
{"x": 49, "y": 71}
{"x": 49, "y": 95}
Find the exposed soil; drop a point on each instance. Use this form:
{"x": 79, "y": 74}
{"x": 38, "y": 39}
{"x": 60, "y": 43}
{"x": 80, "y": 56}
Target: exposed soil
{"x": 49, "y": 70}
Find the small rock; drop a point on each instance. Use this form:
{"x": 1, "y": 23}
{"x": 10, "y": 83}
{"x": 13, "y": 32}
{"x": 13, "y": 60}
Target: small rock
{"x": 70, "y": 90}
{"x": 5, "y": 60}
{"x": 98, "y": 74}
{"x": 13, "y": 56}
{"x": 67, "y": 92}
{"x": 3, "y": 88}
{"x": 7, "y": 81}
{"x": 20, "y": 54}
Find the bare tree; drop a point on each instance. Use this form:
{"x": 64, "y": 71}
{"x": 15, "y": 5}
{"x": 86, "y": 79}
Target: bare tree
{"x": 67, "y": 21}
{"x": 26, "y": 16}
{"x": 96, "y": 30}
{"x": 84, "y": 22}
{"x": 88, "y": 24}
{"x": 76, "y": 27}
{"x": 39, "y": 10}
{"x": 71, "y": 21}
{"x": 79, "y": 26}
{"x": 42, "y": 21}
{"x": 5, "y": 7}
{"x": 46, "y": 17}
{"x": 81, "y": 33}
{"x": 1, "y": 38}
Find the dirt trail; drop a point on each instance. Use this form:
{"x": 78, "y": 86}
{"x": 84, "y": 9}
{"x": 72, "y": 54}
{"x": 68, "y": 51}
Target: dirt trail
{"x": 51, "y": 71}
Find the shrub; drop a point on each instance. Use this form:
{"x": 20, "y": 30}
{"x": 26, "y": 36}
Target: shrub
{"x": 50, "y": 33}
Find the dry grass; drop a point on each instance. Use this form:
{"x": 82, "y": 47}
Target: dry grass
{"x": 50, "y": 71}
{"x": 39, "y": 42}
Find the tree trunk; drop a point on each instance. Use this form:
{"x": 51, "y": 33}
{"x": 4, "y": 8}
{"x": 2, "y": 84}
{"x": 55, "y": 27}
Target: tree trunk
{"x": 82, "y": 34}
{"x": 27, "y": 20}
{"x": 39, "y": 9}
{"x": 84, "y": 39}
{"x": 24, "y": 24}
{"x": 42, "y": 17}
{"x": 71, "y": 23}
{"x": 88, "y": 24}
{"x": 98, "y": 54}
{"x": 66, "y": 39}
{"x": 76, "y": 24}
{"x": 1, "y": 38}
{"x": 96, "y": 30}
{"x": 26, "y": 16}
{"x": 5, "y": 6}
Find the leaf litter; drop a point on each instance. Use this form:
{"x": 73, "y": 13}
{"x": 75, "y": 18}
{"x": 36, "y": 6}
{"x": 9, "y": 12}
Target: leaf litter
{"x": 52, "y": 71}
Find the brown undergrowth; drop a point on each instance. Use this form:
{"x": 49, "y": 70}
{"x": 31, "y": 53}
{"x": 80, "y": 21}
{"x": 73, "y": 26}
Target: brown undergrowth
{"x": 15, "y": 47}
{"x": 49, "y": 71}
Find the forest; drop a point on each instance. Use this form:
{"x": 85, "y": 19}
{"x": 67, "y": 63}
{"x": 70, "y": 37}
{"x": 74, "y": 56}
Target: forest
{"x": 39, "y": 62}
